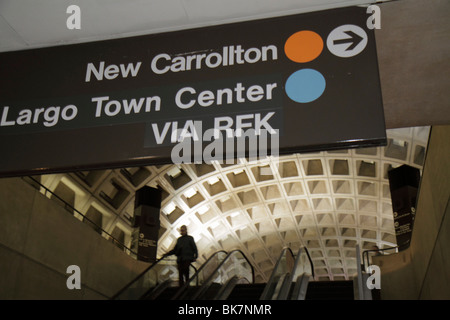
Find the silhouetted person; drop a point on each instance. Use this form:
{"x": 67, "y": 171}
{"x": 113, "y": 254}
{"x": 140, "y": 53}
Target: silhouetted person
{"x": 186, "y": 252}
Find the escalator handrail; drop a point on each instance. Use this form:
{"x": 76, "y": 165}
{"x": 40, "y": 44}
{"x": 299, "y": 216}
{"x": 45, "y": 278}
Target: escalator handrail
{"x": 297, "y": 260}
{"x": 153, "y": 293}
{"x": 285, "y": 289}
{"x": 283, "y": 286}
{"x": 212, "y": 275}
{"x": 289, "y": 273}
{"x": 186, "y": 285}
{"x": 303, "y": 248}
{"x": 300, "y": 288}
{"x": 228, "y": 287}
{"x": 310, "y": 261}
{"x": 272, "y": 279}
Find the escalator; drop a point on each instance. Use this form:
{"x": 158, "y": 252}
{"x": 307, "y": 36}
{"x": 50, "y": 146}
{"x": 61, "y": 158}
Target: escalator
{"x": 230, "y": 276}
{"x": 233, "y": 279}
{"x": 292, "y": 279}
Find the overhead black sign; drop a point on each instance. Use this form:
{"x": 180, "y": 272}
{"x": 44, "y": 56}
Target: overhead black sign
{"x": 311, "y": 81}
{"x": 147, "y": 207}
{"x": 404, "y": 185}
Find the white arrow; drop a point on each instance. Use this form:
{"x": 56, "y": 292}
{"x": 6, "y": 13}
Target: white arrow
{"x": 347, "y": 41}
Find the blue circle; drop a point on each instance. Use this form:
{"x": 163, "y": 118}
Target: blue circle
{"x": 305, "y": 85}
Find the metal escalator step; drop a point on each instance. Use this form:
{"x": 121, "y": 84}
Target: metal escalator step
{"x": 167, "y": 294}
{"x": 330, "y": 290}
{"x": 247, "y": 291}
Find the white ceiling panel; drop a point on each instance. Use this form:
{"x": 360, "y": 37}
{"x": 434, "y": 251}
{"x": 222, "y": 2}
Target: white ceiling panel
{"x": 29, "y": 24}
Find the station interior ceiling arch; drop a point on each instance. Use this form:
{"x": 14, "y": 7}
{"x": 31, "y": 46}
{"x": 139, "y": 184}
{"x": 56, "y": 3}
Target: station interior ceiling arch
{"x": 328, "y": 201}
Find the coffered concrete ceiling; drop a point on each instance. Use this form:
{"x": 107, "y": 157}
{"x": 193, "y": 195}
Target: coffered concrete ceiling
{"x": 328, "y": 201}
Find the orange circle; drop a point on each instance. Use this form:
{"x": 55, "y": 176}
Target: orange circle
{"x": 303, "y": 46}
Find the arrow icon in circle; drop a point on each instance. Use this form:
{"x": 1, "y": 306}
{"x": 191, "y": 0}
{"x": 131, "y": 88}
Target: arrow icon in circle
{"x": 354, "y": 40}
{"x": 347, "y": 40}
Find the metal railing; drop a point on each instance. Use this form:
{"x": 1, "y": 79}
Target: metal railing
{"x": 362, "y": 292}
{"x": 366, "y": 257}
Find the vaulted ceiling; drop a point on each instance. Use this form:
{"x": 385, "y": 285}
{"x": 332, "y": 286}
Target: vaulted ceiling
{"x": 327, "y": 201}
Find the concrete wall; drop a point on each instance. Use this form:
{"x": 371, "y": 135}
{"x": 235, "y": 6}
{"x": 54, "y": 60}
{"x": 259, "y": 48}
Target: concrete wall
{"x": 423, "y": 270}
{"x": 413, "y": 47}
{"x": 39, "y": 240}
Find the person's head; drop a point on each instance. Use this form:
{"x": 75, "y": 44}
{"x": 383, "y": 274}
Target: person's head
{"x": 183, "y": 230}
